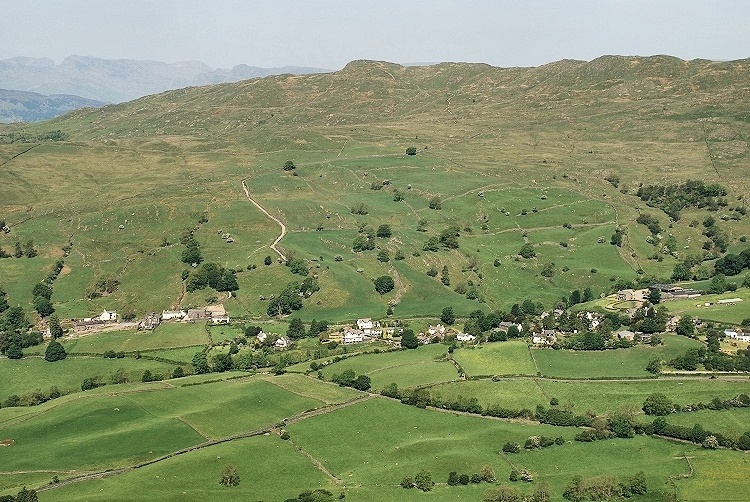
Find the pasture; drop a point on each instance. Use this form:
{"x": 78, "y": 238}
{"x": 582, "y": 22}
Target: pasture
{"x": 601, "y": 397}
{"x": 497, "y": 358}
{"x": 167, "y": 335}
{"x": 199, "y": 471}
{"x": 32, "y": 373}
{"x": 731, "y": 314}
{"x": 626, "y": 363}
{"x": 407, "y": 368}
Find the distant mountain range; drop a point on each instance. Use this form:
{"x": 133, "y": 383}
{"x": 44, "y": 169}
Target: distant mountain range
{"x": 23, "y": 106}
{"x": 116, "y": 81}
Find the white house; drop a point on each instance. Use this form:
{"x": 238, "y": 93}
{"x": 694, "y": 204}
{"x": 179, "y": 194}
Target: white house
{"x": 283, "y": 343}
{"x": 220, "y": 319}
{"x": 464, "y": 337}
{"x": 261, "y": 337}
{"x": 438, "y": 330}
{"x": 593, "y": 319}
{"x": 352, "y": 335}
{"x": 736, "y": 335}
{"x": 167, "y": 315}
{"x": 108, "y": 316}
{"x": 369, "y": 327}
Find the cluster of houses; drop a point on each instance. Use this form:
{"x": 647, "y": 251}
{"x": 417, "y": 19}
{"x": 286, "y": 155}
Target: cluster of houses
{"x": 364, "y": 330}
{"x": 281, "y": 343}
{"x": 215, "y": 313}
{"x": 92, "y": 323}
{"x": 668, "y": 292}
{"x": 737, "y": 335}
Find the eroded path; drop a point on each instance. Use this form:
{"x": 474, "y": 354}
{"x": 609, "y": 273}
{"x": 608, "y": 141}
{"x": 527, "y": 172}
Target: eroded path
{"x": 274, "y": 246}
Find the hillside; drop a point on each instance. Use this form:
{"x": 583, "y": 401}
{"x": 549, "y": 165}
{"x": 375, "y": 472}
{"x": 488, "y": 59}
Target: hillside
{"x": 115, "y": 81}
{"x": 20, "y": 106}
{"x": 455, "y": 193}
{"x": 516, "y": 156}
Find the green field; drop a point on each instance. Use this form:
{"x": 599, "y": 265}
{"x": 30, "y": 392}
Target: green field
{"x": 732, "y": 314}
{"x": 31, "y": 373}
{"x": 608, "y": 363}
{"x": 601, "y": 397}
{"x": 407, "y": 368}
{"x": 503, "y": 358}
{"x": 198, "y": 472}
{"x": 167, "y": 335}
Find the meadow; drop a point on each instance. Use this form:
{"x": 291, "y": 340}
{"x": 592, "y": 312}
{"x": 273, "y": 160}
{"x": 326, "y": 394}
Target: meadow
{"x": 499, "y": 358}
{"x": 602, "y": 397}
{"x": 629, "y": 362}
{"x": 34, "y": 373}
{"x": 407, "y": 368}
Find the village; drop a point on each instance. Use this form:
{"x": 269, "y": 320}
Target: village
{"x": 541, "y": 329}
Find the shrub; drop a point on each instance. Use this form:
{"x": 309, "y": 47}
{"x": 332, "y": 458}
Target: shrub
{"x": 229, "y": 476}
{"x": 423, "y": 481}
{"x": 527, "y": 251}
{"x": 411, "y": 150}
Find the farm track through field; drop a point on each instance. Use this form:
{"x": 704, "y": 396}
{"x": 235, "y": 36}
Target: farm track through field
{"x": 263, "y": 210}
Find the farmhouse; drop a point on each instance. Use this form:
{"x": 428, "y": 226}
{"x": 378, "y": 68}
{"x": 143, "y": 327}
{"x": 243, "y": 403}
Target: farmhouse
{"x": 546, "y": 338}
{"x": 261, "y": 337}
{"x": 505, "y": 325}
{"x": 197, "y": 314}
{"x": 393, "y": 331}
{"x": 636, "y": 295}
{"x": 369, "y": 327}
{"x": 626, "y": 335}
{"x": 283, "y": 343}
{"x": 108, "y": 316}
{"x": 352, "y": 335}
{"x": 737, "y": 334}
{"x": 220, "y": 319}
{"x": 150, "y": 322}
{"x": 464, "y": 337}
{"x": 168, "y": 315}
{"x": 438, "y": 330}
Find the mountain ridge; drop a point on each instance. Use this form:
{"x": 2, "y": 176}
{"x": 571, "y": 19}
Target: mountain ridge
{"x": 366, "y": 91}
{"x": 120, "y": 80}
{"x": 25, "y": 106}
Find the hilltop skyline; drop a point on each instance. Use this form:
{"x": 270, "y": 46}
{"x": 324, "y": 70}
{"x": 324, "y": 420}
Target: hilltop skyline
{"x": 329, "y": 34}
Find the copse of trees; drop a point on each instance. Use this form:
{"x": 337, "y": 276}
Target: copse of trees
{"x": 673, "y": 198}
{"x": 733, "y": 264}
{"x": 348, "y": 378}
{"x": 286, "y": 302}
{"x": 192, "y": 253}
{"x": 212, "y": 275}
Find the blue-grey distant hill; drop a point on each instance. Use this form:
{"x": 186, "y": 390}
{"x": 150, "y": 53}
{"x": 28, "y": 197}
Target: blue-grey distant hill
{"x": 115, "y": 81}
{"x": 24, "y": 106}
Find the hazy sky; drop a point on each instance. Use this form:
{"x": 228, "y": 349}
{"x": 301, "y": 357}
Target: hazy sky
{"x": 330, "y": 33}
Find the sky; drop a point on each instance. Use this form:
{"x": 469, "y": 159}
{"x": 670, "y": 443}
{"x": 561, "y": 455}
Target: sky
{"x": 330, "y": 33}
